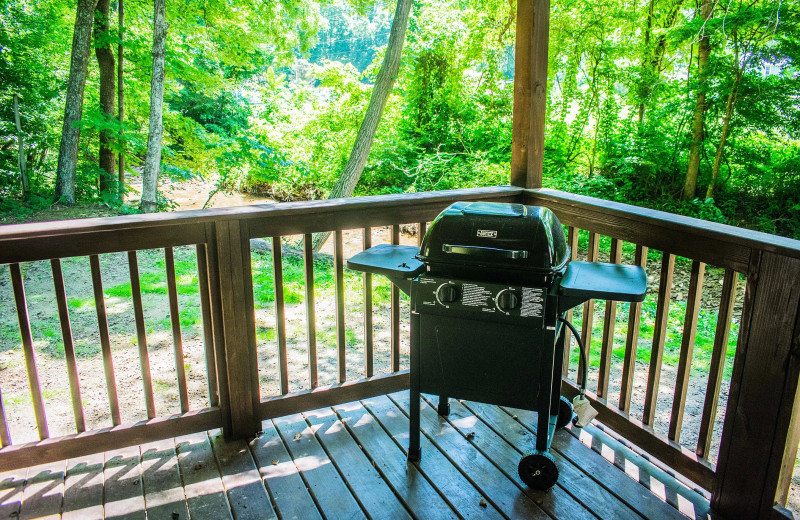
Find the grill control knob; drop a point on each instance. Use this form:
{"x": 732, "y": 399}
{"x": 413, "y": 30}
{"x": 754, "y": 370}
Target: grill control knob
{"x": 507, "y": 300}
{"x": 448, "y": 293}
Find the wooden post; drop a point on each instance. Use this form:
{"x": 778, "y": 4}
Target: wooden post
{"x": 238, "y": 329}
{"x": 522, "y": 94}
{"x": 530, "y": 93}
{"x": 758, "y": 427}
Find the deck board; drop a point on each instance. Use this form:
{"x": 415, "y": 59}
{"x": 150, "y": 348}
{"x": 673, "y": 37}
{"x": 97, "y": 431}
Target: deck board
{"x": 83, "y": 488}
{"x": 375, "y": 496}
{"x": 324, "y": 481}
{"x": 349, "y": 461}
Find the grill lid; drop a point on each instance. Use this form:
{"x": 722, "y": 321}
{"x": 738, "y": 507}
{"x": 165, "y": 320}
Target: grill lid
{"x": 497, "y": 236}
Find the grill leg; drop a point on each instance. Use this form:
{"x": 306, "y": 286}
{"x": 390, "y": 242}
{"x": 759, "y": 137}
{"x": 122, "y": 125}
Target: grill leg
{"x": 414, "y": 451}
{"x": 558, "y": 365}
{"x": 444, "y": 406}
{"x": 543, "y": 426}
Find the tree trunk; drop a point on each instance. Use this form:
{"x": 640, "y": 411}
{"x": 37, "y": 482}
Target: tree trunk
{"x": 121, "y": 100}
{"x": 70, "y": 133}
{"x": 152, "y": 161}
{"x": 23, "y": 169}
{"x": 380, "y": 94}
{"x": 726, "y": 128}
{"x": 105, "y": 64}
{"x": 703, "y": 51}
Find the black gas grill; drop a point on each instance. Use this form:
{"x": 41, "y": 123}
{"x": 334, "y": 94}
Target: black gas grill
{"x": 489, "y": 288}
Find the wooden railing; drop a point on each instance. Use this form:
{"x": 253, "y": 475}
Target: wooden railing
{"x": 756, "y": 446}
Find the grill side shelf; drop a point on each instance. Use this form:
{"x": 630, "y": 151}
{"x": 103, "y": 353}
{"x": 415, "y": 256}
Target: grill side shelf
{"x": 601, "y": 281}
{"x": 396, "y": 262}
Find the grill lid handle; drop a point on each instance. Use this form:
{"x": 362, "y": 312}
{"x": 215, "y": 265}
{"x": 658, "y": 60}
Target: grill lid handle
{"x": 485, "y": 252}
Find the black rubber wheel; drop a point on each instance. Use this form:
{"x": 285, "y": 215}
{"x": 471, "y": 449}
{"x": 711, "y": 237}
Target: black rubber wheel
{"x": 538, "y": 471}
{"x": 565, "y": 413}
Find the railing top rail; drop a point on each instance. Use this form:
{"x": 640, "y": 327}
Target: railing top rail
{"x": 720, "y": 244}
{"x": 43, "y": 240}
{"x": 251, "y": 212}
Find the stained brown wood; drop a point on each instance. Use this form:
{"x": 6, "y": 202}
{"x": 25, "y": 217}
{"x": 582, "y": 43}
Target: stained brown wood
{"x": 506, "y": 450}
{"x": 5, "y": 437}
{"x": 83, "y": 488}
{"x": 341, "y": 338}
{"x": 205, "y": 494}
{"x": 375, "y": 496}
{"x": 422, "y": 228}
{"x": 609, "y": 319}
{"x": 369, "y": 345}
{"x": 281, "y": 477}
{"x": 659, "y": 337}
{"x": 717, "y": 368}
{"x": 687, "y": 348}
{"x": 572, "y": 242}
{"x": 502, "y": 492}
{"x": 440, "y": 470}
{"x": 394, "y": 356}
{"x": 11, "y": 489}
{"x": 44, "y": 492}
{"x": 38, "y": 241}
{"x": 407, "y": 481}
{"x": 27, "y": 347}
{"x": 280, "y": 314}
{"x": 161, "y": 477}
{"x": 588, "y": 308}
{"x": 521, "y": 117}
{"x": 763, "y": 390}
{"x": 215, "y": 275}
{"x": 123, "y": 488}
{"x": 175, "y": 320}
{"x": 311, "y": 317}
{"x": 333, "y": 394}
{"x": 631, "y": 341}
{"x": 105, "y": 343}
{"x": 86, "y": 443}
{"x": 577, "y": 457}
{"x": 540, "y": 37}
{"x": 208, "y": 323}
{"x": 141, "y": 335}
{"x": 330, "y": 492}
{"x": 645, "y": 437}
{"x": 714, "y": 244}
{"x": 247, "y": 495}
{"x": 69, "y": 349}
{"x": 238, "y": 322}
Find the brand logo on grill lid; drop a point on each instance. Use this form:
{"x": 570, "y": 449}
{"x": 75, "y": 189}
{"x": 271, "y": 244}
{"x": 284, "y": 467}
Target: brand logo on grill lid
{"x": 487, "y": 233}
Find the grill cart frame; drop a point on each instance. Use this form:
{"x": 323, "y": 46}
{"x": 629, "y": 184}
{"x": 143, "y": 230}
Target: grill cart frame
{"x": 487, "y": 323}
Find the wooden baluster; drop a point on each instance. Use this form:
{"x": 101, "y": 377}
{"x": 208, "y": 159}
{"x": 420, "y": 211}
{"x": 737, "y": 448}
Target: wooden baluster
{"x": 311, "y": 317}
{"x": 717, "y": 369}
{"x": 27, "y": 347}
{"x": 572, "y": 242}
{"x": 280, "y": 315}
{"x": 69, "y": 348}
{"x": 659, "y": 337}
{"x": 369, "y": 347}
{"x": 395, "y": 343}
{"x": 208, "y": 324}
{"x": 631, "y": 342}
{"x": 5, "y": 438}
{"x": 105, "y": 343}
{"x": 423, "y": 228}
{"x": 588, "y": 307}
{"x": 175, "y": 319}
{"x": 141, "y": 334}
{"x": 609, "y": 320}
{"x": 687, "y": 349}
{"x": 341, "y": 338}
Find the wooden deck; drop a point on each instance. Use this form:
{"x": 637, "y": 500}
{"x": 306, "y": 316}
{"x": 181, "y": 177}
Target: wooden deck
{"x": 349, "y": 462}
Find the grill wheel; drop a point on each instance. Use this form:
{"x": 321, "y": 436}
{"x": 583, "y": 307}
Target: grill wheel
{"x": 538, "y": 470}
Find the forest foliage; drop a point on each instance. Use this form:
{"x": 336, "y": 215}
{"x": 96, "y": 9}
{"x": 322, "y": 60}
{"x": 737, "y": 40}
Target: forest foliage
{"x": 267, "y": 96}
